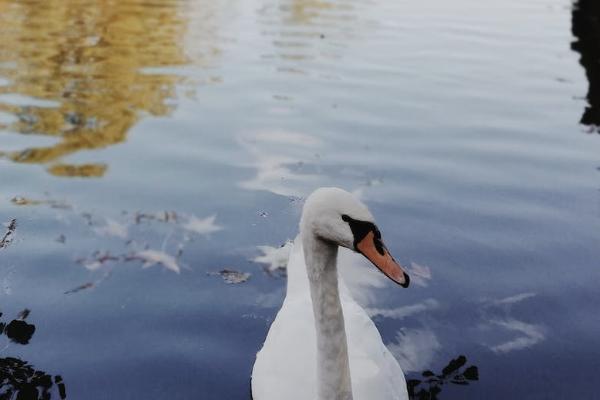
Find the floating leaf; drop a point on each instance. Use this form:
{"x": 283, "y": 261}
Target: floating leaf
{"x": 153, "y": 257}
{"x": 79, "y": 288}
{"x": 163, "y": 216}
{"x": 97, "y": 261}
{"x": 10, "y": 230}
{"x": 202, "y": 226}
{"x": 23, "y": 201}
{"x": 233, "y": 277}
{"x": 274, "y": 257}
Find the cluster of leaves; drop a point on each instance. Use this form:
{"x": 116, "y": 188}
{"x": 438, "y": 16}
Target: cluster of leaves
{"x": 18, "y": 379}
{"x": 431, "y": 385}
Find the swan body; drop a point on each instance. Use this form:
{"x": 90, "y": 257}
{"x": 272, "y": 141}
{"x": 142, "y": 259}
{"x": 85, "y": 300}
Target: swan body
{"x": 322, "y": 345}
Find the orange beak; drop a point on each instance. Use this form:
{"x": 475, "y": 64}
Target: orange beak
{"x": 372, "y": 248}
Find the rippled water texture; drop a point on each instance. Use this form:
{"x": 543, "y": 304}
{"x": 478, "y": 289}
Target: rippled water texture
{"x": 155, "y": 157}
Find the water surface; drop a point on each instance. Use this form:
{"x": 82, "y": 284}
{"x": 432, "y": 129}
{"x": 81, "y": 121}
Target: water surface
{"x": 193, "y": 130}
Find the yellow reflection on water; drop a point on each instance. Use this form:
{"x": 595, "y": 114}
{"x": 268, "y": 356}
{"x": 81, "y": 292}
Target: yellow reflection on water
{"x": 74, "y": 70}
{"x": 303, "y": 11}
{"x": 309, "y": 11}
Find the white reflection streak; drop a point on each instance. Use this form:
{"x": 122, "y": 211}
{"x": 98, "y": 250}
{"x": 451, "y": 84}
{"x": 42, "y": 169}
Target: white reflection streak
{"x": 514, "y": 299}
{"x": 419, "y": 274}
{"x": 414, "y": 348}
{"x": 404, "y": 311}
{"x": 273, "y": 152}
{"x": 533, "y": 334}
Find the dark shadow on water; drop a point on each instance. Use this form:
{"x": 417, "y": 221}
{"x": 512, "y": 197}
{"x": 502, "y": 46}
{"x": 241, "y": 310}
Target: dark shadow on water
{"x": 430, "y": 385}
{"x": 19, "y": 380}
{"x": 17, "y": 330}
{"x": 586, "y": 29}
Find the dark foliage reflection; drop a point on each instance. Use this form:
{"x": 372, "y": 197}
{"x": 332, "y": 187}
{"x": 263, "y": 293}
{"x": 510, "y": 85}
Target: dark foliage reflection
{"x": 586, "y": 29}
{"x": 430, "y": 385}
{"x": 18, "y": 379}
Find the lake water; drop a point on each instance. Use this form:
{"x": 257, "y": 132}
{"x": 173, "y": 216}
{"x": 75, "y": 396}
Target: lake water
{"x": 146, "y": 146}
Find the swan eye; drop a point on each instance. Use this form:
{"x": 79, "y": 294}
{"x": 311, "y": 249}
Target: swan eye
{"x": 360, "y": 229}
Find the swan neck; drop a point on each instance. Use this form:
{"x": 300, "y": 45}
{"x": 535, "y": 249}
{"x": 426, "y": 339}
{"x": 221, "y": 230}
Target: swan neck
{"x": 333, "y": 367}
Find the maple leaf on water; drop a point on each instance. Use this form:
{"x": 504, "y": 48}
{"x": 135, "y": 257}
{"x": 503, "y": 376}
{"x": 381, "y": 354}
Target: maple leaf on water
{"x": 275, "y": 257}
{"x": 153, "y": 257}
{"x": 202, "y": 226}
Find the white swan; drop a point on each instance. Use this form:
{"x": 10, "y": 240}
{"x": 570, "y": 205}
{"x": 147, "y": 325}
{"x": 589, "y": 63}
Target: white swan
{"x": 313, "y": 351}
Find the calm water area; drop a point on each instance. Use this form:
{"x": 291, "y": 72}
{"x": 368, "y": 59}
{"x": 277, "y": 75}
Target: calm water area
{"x": 156, "y": 154}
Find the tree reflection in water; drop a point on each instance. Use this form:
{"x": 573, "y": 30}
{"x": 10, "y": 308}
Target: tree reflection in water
{"x": 18, "y": 379}
{"x": 430, "y": 385}
{"x": 75, "y": 71}
{"x": 586, "y": 29}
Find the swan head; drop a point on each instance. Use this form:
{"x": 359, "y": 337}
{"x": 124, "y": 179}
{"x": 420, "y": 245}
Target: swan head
{"x": 335, "y": 216}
